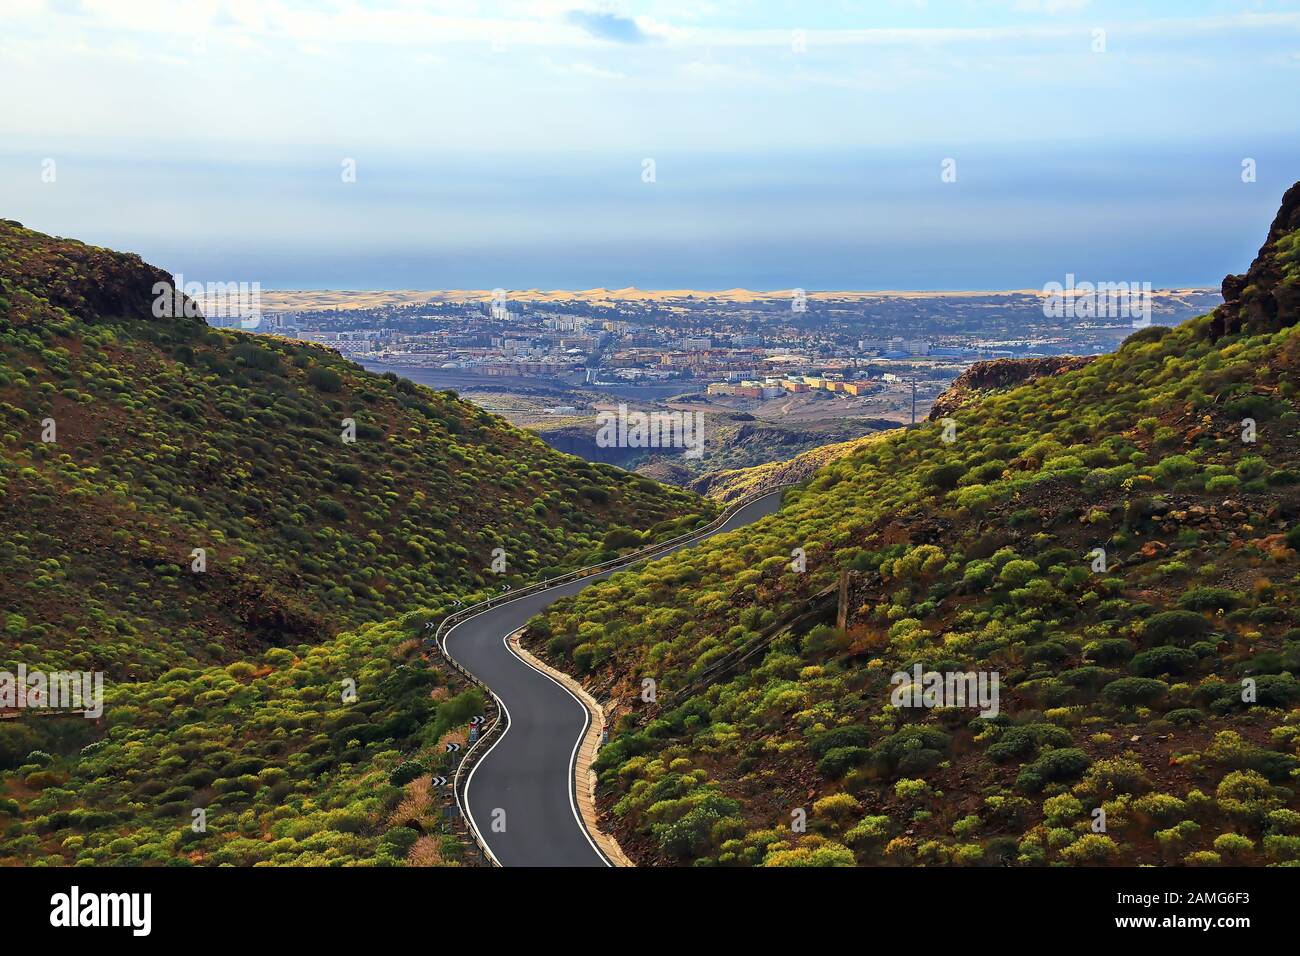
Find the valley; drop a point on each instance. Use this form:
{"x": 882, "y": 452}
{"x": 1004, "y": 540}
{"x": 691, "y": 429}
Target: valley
{"x": 251, "y": 538}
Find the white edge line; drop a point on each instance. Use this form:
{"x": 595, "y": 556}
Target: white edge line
{"x": 573, "y": 757}
{"x": 470, "y": 779}
{"x": 502, "y": 710}
{"x": 573, "y": 805}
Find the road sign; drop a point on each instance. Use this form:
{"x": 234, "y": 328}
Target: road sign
{"x": 439, "y": 781}
{"x": 475, "y": 721}
{"x": 452, "y": 748}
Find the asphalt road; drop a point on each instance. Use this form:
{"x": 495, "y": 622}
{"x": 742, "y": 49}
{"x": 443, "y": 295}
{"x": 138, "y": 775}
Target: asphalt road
{"x": 520, "y": 794}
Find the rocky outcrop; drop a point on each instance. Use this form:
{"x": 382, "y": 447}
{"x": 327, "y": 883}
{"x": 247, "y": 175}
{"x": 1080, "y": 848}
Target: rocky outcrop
{"x": 670, "y": 473}
{"x": 1267, "y": 297}
{"x": 985, "y": 377}
{"x": 86, "y": 281}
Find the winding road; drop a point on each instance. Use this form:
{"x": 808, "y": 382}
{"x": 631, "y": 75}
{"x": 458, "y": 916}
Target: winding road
{"x": 519, "y": 796}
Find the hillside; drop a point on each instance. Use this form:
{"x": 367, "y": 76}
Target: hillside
{"x": 321, "y": 560}
{"x": 173, "y": 436}
{"x": 1147, "y": 708}
{"x": 732, "y": 441}
{"x": 986, "y": 378}
{"x": 732, "y": 484}
{"x": 981, "y": 379}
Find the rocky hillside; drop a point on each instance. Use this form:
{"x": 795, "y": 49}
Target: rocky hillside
{"x": 1267, "y": 297}
{"x": 1099, "y": 568}
{"x": 245, "y": 537}
{"x": 986, "y": 378}
{"x": 170, "y": 436}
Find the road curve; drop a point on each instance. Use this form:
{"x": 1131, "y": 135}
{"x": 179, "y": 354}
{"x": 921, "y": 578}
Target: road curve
{"x": 519, "y": 795}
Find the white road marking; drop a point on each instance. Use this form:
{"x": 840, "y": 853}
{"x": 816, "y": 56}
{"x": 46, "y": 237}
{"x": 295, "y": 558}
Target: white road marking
{"x": 573, "y": 805}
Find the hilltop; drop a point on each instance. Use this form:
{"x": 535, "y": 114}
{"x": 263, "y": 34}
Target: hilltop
{"x": 1115, "y": 542}
{"x": 232, "y": 528}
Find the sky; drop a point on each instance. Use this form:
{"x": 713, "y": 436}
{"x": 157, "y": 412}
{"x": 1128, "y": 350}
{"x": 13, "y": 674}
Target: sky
{"x": 893, "y": 144}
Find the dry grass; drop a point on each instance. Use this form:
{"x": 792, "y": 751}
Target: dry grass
{"x": 426, "y": 851}
{"x": 406, "y": 650}
{"x": 416, "y": 804}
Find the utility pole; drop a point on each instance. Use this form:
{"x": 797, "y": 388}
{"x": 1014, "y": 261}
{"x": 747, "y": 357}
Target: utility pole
{"x": 914, "y": 401}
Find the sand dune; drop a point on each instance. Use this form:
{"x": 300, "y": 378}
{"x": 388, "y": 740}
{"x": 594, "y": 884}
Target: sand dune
{"x": 343, "y": 299}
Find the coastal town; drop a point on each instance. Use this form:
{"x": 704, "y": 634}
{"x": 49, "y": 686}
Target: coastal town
{"x": 734, "y": 344}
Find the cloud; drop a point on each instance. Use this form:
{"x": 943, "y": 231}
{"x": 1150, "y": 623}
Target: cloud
{"x": 581, "y": 69}
{"x": 604, "y": 25}
{"x": 1051, "y": 6}
{"x": 69, "y": 8}
{"x": 222, "y": 18}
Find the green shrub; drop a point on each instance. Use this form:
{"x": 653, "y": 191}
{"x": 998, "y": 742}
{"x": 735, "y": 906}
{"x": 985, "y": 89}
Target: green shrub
{"x": 1163, "y": 660}
{"x": 1134, "y": 691}
{"x": 1210, "y": 599}
{"x": 399, "y": 840}
{"x": 325, "y": 379}
{"x": 1023, "y": 742}
{"x": 1054, "y": 766}
{"x": 840, "y": 760}
{"x": 1175, "y": 627}
{"x": 1090, "y": 849}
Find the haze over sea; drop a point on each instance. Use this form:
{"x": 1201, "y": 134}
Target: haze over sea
{"x": 794, "y": 145}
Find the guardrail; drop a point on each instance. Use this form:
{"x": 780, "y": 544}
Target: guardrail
{"x": 439, "y": 639}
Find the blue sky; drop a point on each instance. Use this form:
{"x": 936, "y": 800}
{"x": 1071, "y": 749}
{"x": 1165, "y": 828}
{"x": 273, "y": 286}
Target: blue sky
{"x": 794, "y": 144}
